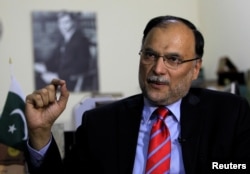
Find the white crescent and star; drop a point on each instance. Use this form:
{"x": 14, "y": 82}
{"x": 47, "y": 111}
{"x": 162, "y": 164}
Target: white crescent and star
{"x": 12, "y": 128}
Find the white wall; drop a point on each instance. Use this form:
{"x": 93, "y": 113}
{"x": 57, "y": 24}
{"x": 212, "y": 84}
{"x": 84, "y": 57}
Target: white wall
{"x": 120, "y": 25}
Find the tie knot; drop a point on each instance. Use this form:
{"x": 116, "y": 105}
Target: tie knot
{"x": 162, "y": 112}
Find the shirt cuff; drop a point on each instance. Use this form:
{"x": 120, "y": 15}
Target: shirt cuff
{"x": 37, "y": 156}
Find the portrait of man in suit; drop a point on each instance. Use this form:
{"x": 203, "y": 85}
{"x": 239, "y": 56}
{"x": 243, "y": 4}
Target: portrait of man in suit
{"x": 65, "y": 47}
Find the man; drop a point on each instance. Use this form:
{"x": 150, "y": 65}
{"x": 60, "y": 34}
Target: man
{"x": 207, "y": 128}
{"x": 71, "y": 58}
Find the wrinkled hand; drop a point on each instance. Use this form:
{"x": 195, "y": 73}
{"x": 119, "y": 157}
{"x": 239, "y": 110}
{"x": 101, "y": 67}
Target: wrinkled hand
{"x": 42, "y": 109}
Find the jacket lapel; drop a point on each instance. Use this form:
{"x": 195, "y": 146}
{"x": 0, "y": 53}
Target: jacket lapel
{"x": 191, "y": 128}
{"x": 128, "y": 129}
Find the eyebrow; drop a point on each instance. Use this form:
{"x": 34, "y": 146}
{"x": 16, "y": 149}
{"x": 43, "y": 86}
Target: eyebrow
{"x": 172, "y": 54}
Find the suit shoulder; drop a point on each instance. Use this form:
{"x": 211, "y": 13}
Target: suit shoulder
{"x": 212, "y": 95}
{"x": 130, "y": 102}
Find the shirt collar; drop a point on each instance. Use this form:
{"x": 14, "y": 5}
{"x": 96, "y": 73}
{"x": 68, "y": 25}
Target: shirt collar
{"x": 148, "y": 109}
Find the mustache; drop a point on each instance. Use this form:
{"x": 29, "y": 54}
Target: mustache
{"x": 158, "y": 79}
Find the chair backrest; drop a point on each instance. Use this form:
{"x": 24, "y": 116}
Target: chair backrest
{"x": 233, "y": 88}
{"x": 90, "y": 103}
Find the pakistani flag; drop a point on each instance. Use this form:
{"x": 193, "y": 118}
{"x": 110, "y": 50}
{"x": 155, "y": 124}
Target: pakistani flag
{"x": 13, "y": 129}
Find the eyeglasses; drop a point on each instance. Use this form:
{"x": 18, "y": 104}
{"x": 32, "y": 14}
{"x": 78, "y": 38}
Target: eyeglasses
{"x": 171, "y": 61}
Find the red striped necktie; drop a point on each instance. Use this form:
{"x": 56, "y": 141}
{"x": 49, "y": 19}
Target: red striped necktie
{"x": 158, "y": 161}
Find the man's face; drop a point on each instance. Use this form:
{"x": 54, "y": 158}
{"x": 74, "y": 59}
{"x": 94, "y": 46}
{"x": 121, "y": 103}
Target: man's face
{"x": 174, "y": 38}
{"x": 66, "y": 24}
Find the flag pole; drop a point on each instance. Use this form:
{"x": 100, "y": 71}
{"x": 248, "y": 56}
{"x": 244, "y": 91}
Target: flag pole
{"x": 11, "y": 68}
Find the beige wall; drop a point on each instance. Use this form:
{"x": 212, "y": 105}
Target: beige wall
{"x": 226, "y": 27}
{"x": 120, "y": 23}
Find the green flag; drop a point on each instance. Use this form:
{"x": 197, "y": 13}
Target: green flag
{"x": 13, "y": 128}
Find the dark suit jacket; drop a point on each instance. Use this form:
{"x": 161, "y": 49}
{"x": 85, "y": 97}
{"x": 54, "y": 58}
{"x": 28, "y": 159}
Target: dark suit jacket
{"x": 215, "y": 126}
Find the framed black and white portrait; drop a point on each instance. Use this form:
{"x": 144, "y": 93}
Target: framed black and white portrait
{"x": 65, "y": 47}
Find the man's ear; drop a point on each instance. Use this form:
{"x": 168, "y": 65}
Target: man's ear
{"x": 197, "y": 68}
